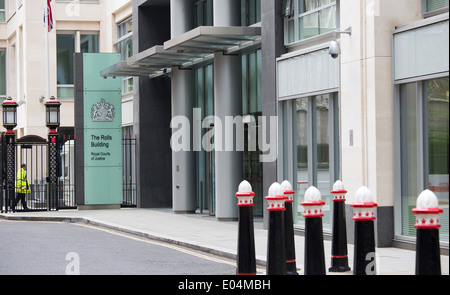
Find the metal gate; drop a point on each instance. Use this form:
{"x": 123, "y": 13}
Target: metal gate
{"x": 33, "y": 151}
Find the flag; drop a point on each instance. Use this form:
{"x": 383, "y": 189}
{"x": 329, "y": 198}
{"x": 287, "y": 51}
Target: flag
{"x": 49, "y": 16}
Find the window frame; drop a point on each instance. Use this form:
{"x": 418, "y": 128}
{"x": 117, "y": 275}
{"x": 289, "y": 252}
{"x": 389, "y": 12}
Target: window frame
{"x": 294, "y": 17}
{"x": 77, "y": 43}
{"x": 433, "y": 12}
{"x": 421, "y": 144}
{"x": 123, "y": 36}
{"x": 288, "y": 165}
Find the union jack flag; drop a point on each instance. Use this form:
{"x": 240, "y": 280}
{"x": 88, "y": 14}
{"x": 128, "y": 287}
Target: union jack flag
{"x": 49, "y": 15}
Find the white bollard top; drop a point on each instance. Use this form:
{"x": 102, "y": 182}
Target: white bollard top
{"x": 245, "y": 194}
{"x": 275, "y": 189}
{"x": 427, "y": 199}
{"x": 338, "y": 186}
{"x": 276, "y": 198}
{"x": 338, "y": 191}
{"x": 286, "y": 185}
{"x": 312, "y": 204}
{"x": 312, "y": 194}
{"x": 245, "y": 187}
{"x": 364, "y": 195}
{"x": 364, "y": 207}
{"x": 288, "y": 191}
{"x": 427, "y": 211}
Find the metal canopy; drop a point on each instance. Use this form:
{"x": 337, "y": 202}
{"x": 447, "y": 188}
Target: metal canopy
{"x": 208, "y": 40}
{"x": 123, "y": 69}
{"x": 191, "y": 48}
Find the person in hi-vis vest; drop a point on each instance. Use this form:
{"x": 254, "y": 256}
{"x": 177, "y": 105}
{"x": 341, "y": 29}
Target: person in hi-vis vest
{"x": 22, "y": 188}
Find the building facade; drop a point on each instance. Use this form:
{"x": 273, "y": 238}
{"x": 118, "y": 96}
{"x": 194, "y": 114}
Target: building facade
{"x": 375, "y": 114}
{"x": 79, "y": 26}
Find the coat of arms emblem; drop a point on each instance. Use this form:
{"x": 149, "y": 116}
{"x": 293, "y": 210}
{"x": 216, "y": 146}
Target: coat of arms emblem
{"x": 102, "y": 112}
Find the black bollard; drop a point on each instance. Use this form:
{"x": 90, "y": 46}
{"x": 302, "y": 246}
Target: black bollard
{"x": 246, "y": 257}
{"x": 364, "y": 245}
{"x": 291, "y": 265}
{"x": 339, "y": 253}
{"x": 314, "y": 248}
{"x": 428, "y": 256}
{"x": 276, "y": 242}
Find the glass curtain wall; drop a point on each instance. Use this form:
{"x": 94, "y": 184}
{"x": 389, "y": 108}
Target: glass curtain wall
{"x": 251, "y": 110}
{"x": 204, "y": 79}
{"x": 424, "y": 125}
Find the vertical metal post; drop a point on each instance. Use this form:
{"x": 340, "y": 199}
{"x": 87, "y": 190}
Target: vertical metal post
{"x": 364, "y": 247}
{"x": 428, "y": 256}
{"x": 276, "y": 241}
{"x": 10, "y": 168}
{"x": 314, "y": 247}
{"x": 53, "y": 170}
{"x": 291, "y": 265}
{"x": 339, "y": 253}
{"x": 246, "y": 258}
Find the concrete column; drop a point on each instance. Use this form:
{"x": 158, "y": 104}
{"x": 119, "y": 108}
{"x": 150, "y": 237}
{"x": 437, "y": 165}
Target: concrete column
{"x": 227, "y": 102}
{"x": 227, "y": 13}
{"x": 183, "y": 101}
{"x": 272, "y": 46}
{"x": 182, "y": 16}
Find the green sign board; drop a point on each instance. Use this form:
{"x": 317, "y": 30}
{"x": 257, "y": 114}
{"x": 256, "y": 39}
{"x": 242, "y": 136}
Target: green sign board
{"x": 102, "y": 126}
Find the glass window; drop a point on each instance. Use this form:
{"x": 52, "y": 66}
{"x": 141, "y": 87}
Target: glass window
{"x": 203, "y": 13}
{"x": 204, "y": 78}
{"x": 250, "y": 12}
{"x": 424, "y": 119}
{"x": 125, "y": 35}
{"x": 124, "y": 46}
{"x": 89, "y": 44}
{"x": 2, "y": 74}
{"x": 431, "y": 5}
{"x": 317, "y": 143}
{"x": 65, "y": 50}
{"x": 66, "y": 47}
{"x": 308, "y": 18}
{"x": 2, "y": 11}
{"x": 251, "y": 83}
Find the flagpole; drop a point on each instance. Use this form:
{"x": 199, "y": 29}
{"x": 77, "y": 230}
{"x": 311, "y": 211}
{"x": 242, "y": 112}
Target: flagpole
{"x": 47, "y": 55}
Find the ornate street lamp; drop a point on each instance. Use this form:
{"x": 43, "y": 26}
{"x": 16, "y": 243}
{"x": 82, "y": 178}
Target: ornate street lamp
{"x": 9, "y": 114}
{"x": 52, "y": 108}
{"x": 10, "y": 122}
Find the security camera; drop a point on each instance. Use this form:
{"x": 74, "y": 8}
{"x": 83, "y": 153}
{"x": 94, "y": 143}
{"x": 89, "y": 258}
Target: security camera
{"x": 334, "y": 49}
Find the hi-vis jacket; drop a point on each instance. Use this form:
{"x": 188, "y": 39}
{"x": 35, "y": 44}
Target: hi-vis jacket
{"x": 22, "y": 185}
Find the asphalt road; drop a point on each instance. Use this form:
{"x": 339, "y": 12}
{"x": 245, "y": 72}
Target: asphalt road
{"x": 44, "y": 248}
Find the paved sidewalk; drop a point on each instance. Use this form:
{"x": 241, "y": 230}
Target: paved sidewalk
{"x": 205, "y": 233}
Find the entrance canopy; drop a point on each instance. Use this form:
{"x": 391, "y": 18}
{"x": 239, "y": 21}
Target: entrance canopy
{"x": 192, "y": 48}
